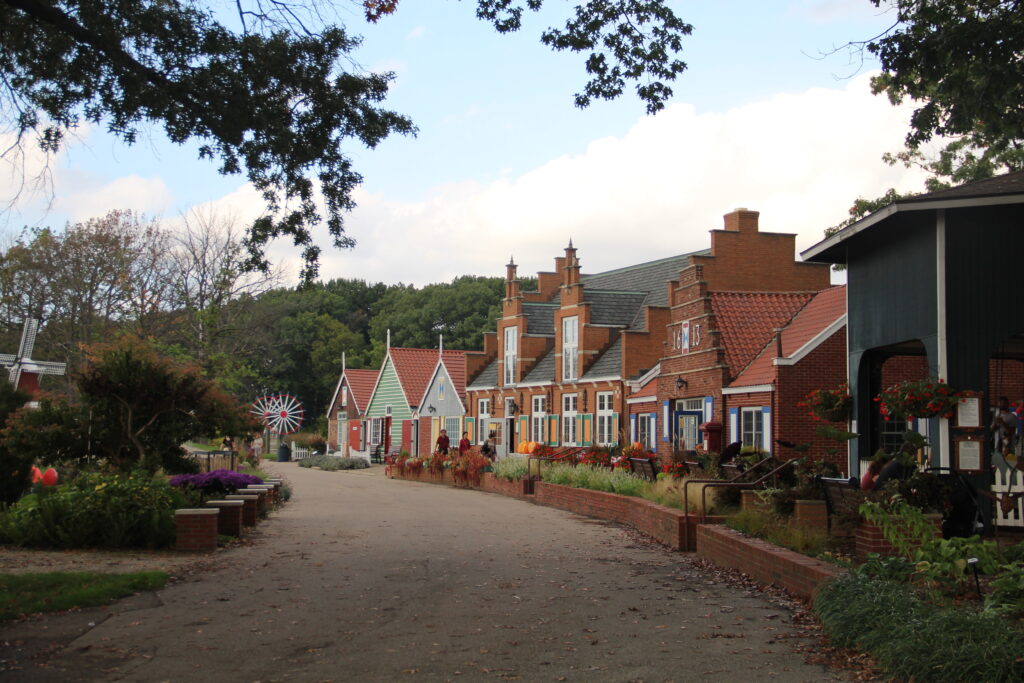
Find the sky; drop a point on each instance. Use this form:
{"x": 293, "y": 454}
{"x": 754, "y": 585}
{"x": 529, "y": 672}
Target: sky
{"x": 771, "y": 114}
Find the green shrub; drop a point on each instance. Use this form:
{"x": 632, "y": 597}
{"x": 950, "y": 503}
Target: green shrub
{"x": 597, "y": 479}
{"x": 1006, "y": 594}
{"x": 96, "y": 511}
{"x": 776, "y": 529}
{"x": 332, "y": 463}
{"x": 914, "y": 639}
{"x": 511, "y": 467}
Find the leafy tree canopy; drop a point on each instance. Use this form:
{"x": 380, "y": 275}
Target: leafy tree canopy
{"x": 274, "y": 97}
{"x": 960, "y": 62}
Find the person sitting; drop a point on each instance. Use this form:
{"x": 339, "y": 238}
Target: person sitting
{"x": 867, "y": 482}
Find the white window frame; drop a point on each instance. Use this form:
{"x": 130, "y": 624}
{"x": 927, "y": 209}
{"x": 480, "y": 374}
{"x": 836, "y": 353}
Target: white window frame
{"x": 603, "y": 429}
{"x": 570, "y": 406}
{"x": 511, "y": 352}
{"x": 538, "y": 418}
{"x": 377, "y": 431}
{"x": 452, "y": 425}
{"x": 643, "y": 431}
{"x": 344, "y": 397}
{"x": 483, "y": 414}
{"x": 756, "y": 429}
{"x": 570, "y": 348}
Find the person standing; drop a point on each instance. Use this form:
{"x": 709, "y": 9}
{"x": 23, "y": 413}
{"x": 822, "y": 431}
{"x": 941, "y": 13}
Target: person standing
{"x": 1004, "y": 427}
{"x": 464, "y": 444}
{"x": 443, "y": 443}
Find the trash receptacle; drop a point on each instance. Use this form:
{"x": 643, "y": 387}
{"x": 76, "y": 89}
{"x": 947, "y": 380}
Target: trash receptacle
{"x": 284, "y": 454}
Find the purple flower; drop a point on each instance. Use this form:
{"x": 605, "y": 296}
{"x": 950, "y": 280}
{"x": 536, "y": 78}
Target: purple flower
{"x": 218, "y": 482}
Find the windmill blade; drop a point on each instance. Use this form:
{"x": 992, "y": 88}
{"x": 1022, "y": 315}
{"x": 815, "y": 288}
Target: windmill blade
{"x": 15, "y": 374}
{"x": 43, "y": 367}
{"x": 28, "y": 338}
{"x": 7, "y": 358}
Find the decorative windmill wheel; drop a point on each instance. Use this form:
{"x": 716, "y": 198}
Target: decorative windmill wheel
{"x": 282, "y": 413}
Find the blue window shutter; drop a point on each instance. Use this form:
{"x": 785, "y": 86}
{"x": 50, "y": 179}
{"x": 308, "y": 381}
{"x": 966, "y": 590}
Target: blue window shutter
{"x": 653, "y": 434}
{"x": 734, "y": 425}
{"x": 632, "y": 428}
{"x": 766, "y": 424}
{"x": 709, "y": 408}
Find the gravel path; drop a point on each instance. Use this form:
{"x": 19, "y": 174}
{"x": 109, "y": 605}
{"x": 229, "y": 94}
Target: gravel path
{"x": 361, "y": 578}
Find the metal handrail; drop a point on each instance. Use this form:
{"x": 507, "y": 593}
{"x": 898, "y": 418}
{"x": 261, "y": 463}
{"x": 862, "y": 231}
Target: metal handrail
{"x": 750, "y": 470}
{"x": 559, "y": 456}
{"x": 732, "y": 483}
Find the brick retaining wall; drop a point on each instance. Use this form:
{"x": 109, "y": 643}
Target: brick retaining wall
{"x": 763, "y": 561}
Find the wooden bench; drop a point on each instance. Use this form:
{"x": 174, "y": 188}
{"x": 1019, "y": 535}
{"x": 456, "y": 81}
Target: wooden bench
{"x": 644, "y": 467}
{"x": 842, "y": 497}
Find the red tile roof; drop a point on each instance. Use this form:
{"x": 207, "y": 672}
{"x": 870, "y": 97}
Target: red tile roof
{"x": 649, "y": 390}
{"x": 748, "y": 320}
{"x": 456, "y": 367}
{"x": 824, "y": 309}
{"x": 360, "y": 384}
{"x": 415, "y": 367}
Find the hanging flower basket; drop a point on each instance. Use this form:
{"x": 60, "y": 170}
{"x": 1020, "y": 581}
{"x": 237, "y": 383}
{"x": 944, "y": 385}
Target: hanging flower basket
{"x": 829, "y": 405}
{"x": 923, "y": 398}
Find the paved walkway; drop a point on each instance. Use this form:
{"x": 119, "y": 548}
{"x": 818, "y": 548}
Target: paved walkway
{"x": 361, "y": 578}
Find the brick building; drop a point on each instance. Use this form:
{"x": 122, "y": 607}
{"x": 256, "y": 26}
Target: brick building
{"x": 643, "y": 353}
{"x": 346, "y": 423}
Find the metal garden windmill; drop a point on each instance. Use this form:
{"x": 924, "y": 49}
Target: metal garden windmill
{"x": 22, "y": 363}
{"x": 281, "y": 413}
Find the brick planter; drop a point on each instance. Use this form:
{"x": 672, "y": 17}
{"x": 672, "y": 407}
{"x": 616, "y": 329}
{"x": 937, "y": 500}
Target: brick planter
{"x": 249, "y": 510}
{"x": 196, "y": 529}
{"x": 666, "y": 525}
{"x": 868, "y": 538}
{"x": 263, "y": 498}
{"x": 763, "y": 561}
{"x": 812, "y": 515}
{"x": 229, "y": 521}
{"x": 513, "y": 489}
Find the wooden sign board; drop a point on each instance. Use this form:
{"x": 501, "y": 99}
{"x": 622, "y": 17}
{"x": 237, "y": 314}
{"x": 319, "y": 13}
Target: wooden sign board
{"x": 968, "y": 411}
{"x": 969, "y": 451}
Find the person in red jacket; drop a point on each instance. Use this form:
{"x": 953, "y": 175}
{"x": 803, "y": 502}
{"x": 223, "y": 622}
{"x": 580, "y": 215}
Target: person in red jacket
{"x": 443, "y": 443}
{"x": 464, "y": 443}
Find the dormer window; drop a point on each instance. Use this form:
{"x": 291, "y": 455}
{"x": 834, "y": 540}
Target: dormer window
{"x": 570, "y": 348}
{"x": 511, "y": 351}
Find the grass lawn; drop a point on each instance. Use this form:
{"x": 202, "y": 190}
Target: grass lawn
{"x": 52, "y": 592}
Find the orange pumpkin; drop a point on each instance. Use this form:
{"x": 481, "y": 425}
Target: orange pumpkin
{"x": 49, "y": 477}
{"x": 636, "y": 446}
{"x": 531, "y": 446}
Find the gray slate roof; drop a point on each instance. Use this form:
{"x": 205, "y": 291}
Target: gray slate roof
{"x": 540, "y": 318}
{"x": 643, "y": 277}
{"x": 487, "y": 379}
{"x": 613, "y": 308}
{"x": 543, "y": 371}
{"x": 1010, "y": 183}
{"x": 609, "y": 364}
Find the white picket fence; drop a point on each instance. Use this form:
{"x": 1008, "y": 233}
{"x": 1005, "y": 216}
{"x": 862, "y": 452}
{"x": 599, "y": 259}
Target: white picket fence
{"x": 1009, "y": 481}
{"x": 300, "y": 452}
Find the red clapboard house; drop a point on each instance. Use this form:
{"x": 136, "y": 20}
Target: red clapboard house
{"x": 346, "y": 428}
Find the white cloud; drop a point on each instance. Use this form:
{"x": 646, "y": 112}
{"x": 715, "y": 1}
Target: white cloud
{"x": 417, "y": 32}
{"x": 146, "y": 195}
{"x": 800, "y": 159}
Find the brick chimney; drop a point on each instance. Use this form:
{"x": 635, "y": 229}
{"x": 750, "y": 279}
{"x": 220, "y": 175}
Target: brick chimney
{"x": 741, "y": 220}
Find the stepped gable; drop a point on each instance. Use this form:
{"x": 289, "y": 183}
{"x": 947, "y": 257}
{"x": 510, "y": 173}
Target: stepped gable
{"x": 488, "y": 377}
{"x": 825, "y": 309}
{"x": 415, "y": 367}
{"x": 361, "y": 383}
{"x": 543, "y": 372}
{"x": 748, "y": 320}
{"x": 608, "y": 365}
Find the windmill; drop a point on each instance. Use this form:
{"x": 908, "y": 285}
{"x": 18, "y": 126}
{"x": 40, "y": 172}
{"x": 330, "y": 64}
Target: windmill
{"x": 23, "y": 372}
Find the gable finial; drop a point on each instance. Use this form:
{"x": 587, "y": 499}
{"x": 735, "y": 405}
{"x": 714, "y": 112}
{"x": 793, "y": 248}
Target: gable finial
{"x": 570, "y": 243}
{"x": 440, "y": 345}
{"x": 389, "y": 338}
{"x": 343, "y": 362}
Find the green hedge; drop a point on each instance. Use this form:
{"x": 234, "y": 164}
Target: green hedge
{"x": 915, "y": 639}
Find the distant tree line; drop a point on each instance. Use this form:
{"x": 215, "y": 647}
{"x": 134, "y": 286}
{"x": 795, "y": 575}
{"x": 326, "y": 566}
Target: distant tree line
{"x": 187, "y": 291}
